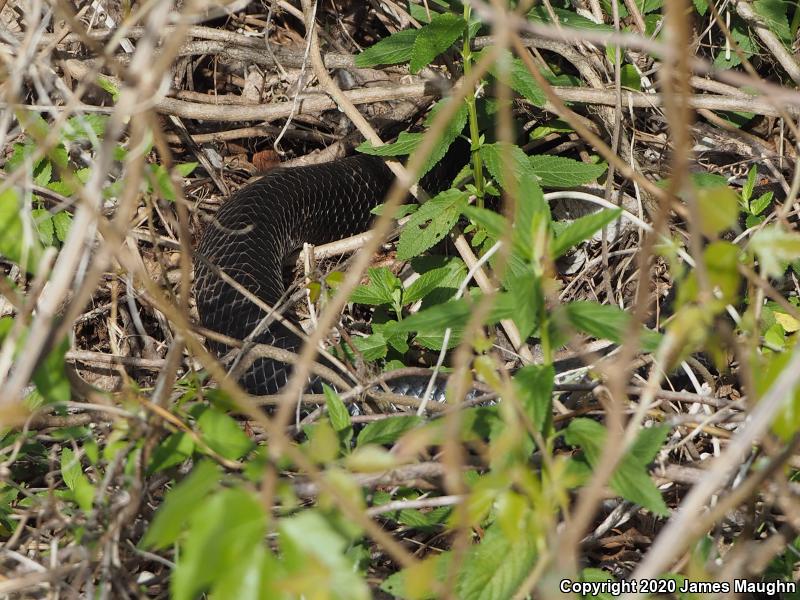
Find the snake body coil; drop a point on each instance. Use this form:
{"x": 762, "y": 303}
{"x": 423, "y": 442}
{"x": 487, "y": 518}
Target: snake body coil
{"x": 265, "y": 221}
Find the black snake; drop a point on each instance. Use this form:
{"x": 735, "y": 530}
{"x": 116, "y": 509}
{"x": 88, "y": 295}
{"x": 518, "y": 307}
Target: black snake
{"x": 270, "y": 218}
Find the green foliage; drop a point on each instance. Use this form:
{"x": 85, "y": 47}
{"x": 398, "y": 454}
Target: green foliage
{"x": 631, "y": 479}
{"x": 431, "y": 223}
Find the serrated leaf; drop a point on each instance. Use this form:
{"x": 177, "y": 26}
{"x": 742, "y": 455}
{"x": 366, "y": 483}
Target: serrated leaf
{"x": 179, "y": 504}
{"x": 749, "y": 184}
{"x": 381, "y": 288}
{"x": 42, "y": 173}
{"x": 337, "y": 411}
{"x": 506, "y": 159}
{"x": 534, "y": 384}
{"x": 431, "y": 223}
{"x": 186, "y": 169}
{"x": 78, "y": 126}
{"x": 606, "y": 322}
{"x": 171, "y": 451}
{"x": 434, "y": 38}
{"x": 226, "y": 527}
{"x": 387, "y": 431}
{"x": 495, "y": 568}
{"x": 760, "y": 204}
{"x": 520, "y": 79}
{"x": 582, "y": 229}
{"x": 630, "y": 78}
{"x": 419, "y": 582}
{"x": 434, "y": 340}
{"x": 50, "y": 376}
{"x": 314, "y": 553}
{"x": 369, "y": 458}
{"x": 526, "y": 293}
{"x": 722, "y": 262}
{"x": 371, "y": 347}
{"x": 448, "y": 276}
{"x": 775, "y": 248}
{"x": 223, "y": 435}
{"x": 741, "y": 35}
{"x": 718, "y": 208}
{"x": 397, "y": 48}
{"x": 14, "y": 244}
{"x": 773, "y": 14}
{"x": 407, "y": 143}
{"x": 567, "y": 18}
{"x": 44, "y": 225}
{"x": 73, "y": 476}
{"x": 563, "y": 172}
{"x": 631, "y": 479}
{"x": 109, "y": 86}
{"x": 61, "y": 223}
{"x": 787, "y": 322}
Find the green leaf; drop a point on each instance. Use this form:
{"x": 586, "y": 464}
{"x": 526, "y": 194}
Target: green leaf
{"x": 50, "y": 376}
{"x": 382, "y": 287}
{"x": 408, "y": 143}
{"x": 502, "y": 159}
{"x": 562, "y": 172}
{"x": 44, "y": 225}
{"x": 397, "y": 48}
{"x": 387, "y": 431}
{"x": 337, "y": 411}
{"x": 526, "y": 293}
{"x": 180, "y": 504}
{"x": 186, "y": 169}
{"x": 79, "y": 127}
{"x": 773, "y": 14}
{"x": 109, "y": 86}
{"x": 419, "y": 581}
{"x": 495, "y": 224}
{"x": 405, "y": 144}
{"x": 747, "y": 188}
{"x": 631, "y": 479}
{"x": 718, "y": 208}
{"x": 567, "y": 18}
{"x": 582, "y": 229}
{"x": 630, "y": 78}
{"x": 14, "y": 244}
{"x": 722, "y": 262}
{"x": 520, "y": 79}
{"x": 173, "y": 450}
{"x": 431, "y": 223}
{"x": 253, "y": 577}
{"x": 448, "y": 277}
{"x": 760, "y": 204}
{"x": 435, "y": 38}
{"x": 73, "y": 476}
{"x": 225, "y": 528}
{"x": 740, "y": 34}
{"x": 62, "y": 221}
{"x": 534, "y": 384}
{"x": 606, "y": 322}
{"x": 222, "y": 434}
{"x": 775, "y": 248}
{"x": 371, "y": 347}
{"x": 496, "y": 567}
{"x": 315, "y": 555}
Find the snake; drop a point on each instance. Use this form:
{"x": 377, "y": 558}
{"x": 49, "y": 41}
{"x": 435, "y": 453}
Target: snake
{"x": 264, "y": 222}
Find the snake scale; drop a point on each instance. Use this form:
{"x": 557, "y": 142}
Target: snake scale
{"x": 265, "y": 221}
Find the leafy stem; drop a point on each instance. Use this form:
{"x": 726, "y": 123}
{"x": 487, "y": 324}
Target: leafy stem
{"x": 474, "y": 132}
